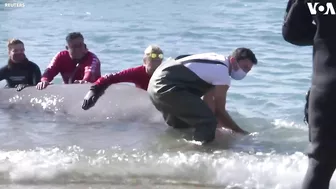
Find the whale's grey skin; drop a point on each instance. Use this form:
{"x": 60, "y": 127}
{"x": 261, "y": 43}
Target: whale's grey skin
{"x": 120, "y": 102}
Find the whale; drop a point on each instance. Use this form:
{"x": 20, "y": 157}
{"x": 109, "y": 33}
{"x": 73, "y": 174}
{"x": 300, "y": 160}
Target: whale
{"x": 120, "y": 102}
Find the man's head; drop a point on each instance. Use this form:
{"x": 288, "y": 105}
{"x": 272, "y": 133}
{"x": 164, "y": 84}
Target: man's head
{"x": 16, "y": 50}
{"x": 153, "y": 57}
{"x": 75, "y": 45}
{"x": 241, "y": 61}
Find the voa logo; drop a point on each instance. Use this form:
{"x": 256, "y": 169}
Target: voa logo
{"x": 325, "y": 9}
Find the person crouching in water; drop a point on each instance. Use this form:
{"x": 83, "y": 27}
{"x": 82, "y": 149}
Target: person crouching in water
{"x": 176, "y": 88}
{"x": 139, "y": 75}
{"x": 19, "y": 71}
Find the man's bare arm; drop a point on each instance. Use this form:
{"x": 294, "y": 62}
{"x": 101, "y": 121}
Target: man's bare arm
{"x": 209, "y": 99}
{"x": 220, "y": 94}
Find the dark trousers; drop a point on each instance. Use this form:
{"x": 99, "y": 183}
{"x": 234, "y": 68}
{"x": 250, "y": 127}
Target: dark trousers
{"x": 322, "y": 136}
{"x": 182, "y": 109}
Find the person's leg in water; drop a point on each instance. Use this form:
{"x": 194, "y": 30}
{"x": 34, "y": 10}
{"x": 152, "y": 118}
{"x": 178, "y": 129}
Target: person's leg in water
{"x": 322, "y": 138}
{"x": 175, "y": 122}
{"x": 183, "y": 109}
{"x": 169, "y": 118}
{"x": 318, "y": 174}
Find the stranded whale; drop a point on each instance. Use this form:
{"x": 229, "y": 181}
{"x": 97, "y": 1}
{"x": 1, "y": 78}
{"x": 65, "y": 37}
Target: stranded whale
{"x": 120, "y": 102}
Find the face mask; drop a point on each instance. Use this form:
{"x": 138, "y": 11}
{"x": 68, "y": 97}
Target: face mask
{"x": 238, "y": 74}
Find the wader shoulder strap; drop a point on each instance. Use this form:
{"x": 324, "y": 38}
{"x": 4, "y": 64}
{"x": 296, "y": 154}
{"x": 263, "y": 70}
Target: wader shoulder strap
{"x": 182, "y": 56}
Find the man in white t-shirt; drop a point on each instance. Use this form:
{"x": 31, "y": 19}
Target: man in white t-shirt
{"x": 176, "y": 88}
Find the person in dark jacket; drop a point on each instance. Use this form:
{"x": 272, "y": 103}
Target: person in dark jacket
{"x": 301, "y": 28}
{"x": 19, "y": 71}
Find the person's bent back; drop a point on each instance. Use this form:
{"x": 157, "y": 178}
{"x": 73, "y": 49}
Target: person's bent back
{"x": 177, "y": 86}
{"x": 76, "y": 64}
{"x": 19, "y": 71}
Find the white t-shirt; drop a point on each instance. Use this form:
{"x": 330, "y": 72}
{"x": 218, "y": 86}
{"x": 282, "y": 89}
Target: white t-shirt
{"x": 215, "y": 74}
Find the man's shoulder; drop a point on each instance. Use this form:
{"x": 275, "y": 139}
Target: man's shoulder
{"x": 61, "y": 57}
{"x": 216, "y": 74}
{"x": 63, "y": 53}
{"x": 137, "y": 69}
{"x": 93, "y": 55}
{"x": 129, "y": 72}
{"x": 140, "y": 67}
{"x": 209, "y": 66}
{"x": 206, "y": 55}
{"x": 4, "y": 68}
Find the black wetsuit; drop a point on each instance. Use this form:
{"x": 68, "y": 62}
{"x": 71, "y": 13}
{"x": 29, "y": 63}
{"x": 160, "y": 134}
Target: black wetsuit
{"x": 24, "y": 73}
{"x": 299, "y": 30}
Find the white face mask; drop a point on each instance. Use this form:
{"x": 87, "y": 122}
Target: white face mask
{"x": 239, "y": 74}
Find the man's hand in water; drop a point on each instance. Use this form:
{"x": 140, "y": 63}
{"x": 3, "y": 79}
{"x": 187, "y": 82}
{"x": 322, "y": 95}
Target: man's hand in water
{"x": 91, "y": 98}
{"x": 20, "y": 87}
{"x": 242, "y": 132}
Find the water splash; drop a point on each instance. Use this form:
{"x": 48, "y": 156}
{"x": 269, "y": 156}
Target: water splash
{"x": 115, "y": 166}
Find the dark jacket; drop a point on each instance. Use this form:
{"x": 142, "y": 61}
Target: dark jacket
{"x": 298, "y": 29}
{"x": 26, "y": 72}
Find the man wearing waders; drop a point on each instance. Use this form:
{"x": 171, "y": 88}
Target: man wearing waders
{"x": 299, "y": 30}
{"x": 176, "y": 88}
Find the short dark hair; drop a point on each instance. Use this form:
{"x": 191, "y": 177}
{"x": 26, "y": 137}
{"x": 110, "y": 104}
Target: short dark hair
{"x": 73, "y": 35}
{"x": 244, "y": 53}
{"x": 13, "y": 42}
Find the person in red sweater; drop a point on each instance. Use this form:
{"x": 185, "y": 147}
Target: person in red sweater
{"x": 139, "y": 75}
{"x": 76, "y": 64}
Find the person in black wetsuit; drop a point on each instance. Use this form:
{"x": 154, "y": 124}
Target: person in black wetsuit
{"x": 19, "y": 72}
{"x": 299, "y": 30}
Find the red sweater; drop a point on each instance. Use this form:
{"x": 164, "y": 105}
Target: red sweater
{"x": 88, "y": 68}
{"x": 136, "y": 75}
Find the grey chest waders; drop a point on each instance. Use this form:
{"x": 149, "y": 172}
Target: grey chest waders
{"x": 176, "y": 92}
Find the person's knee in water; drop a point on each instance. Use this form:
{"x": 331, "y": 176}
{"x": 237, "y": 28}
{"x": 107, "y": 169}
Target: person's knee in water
{"x": 139, "y": 75}
{"x": 177, "y": 86}
{"x": 19, "y": 72}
